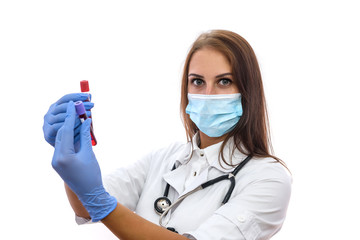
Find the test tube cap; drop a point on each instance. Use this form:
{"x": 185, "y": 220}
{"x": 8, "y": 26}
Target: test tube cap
{"x": 84, "y": 86}
{"x": 80, "y": 109}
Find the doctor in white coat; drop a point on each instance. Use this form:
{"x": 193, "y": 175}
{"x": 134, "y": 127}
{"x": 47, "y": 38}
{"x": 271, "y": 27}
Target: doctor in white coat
{"x": 222, "y": 184}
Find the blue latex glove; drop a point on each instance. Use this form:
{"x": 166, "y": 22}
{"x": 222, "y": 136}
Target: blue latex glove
{"x": 54, "y": 118}
{"x": 80, "y": 170}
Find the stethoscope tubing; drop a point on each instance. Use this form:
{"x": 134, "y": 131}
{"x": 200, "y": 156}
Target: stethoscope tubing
{"x": 230, "y": 176}
{"x": 176, "y": 203}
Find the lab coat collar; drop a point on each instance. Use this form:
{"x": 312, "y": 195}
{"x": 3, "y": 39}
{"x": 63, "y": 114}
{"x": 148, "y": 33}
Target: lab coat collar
{"x": 176, "y": 178}
{"x": 212, "y": 154}
{"x": 183, "y": 156}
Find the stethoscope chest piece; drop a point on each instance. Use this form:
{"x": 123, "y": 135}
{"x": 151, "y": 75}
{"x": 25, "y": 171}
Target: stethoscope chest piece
{"x": 161, "y": 204}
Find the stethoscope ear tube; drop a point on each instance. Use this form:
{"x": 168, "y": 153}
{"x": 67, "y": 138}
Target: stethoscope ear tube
{"x": 213, "y": 181}
{"x": 240, "y": 166}
{"x": 232, "y": 186}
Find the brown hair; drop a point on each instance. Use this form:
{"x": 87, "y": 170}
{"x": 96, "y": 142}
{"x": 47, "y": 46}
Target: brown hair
{"x": 251, "y": 134}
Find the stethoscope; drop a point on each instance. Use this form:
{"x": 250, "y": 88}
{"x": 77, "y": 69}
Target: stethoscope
{"x": 163, "y": 204}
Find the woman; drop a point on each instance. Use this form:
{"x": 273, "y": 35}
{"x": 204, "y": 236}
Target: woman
{"x": 224, "y": 114}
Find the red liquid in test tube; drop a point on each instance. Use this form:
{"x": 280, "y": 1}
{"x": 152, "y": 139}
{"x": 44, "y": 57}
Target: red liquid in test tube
{"x": 80, "y": 110}
{"x": 84, "y": 86}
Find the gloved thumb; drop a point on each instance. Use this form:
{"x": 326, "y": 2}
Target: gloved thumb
{"x": 85, "y": 137}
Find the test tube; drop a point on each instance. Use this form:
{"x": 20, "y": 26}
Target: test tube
{"x": 84, "y": 87}
{"x": 80, "y": 110}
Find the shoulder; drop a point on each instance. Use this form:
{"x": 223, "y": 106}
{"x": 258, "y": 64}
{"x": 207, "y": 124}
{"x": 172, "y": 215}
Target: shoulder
{"x": 173, "y": 148}
{"x": 266, "y": 170}
{"x": 267, "y": 164}
{"x": 160, "y": 158}
{"x": 259, "y": 203}
{"x": 169, "y": 154}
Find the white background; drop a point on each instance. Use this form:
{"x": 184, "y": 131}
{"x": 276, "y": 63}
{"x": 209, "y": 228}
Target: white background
{"x": 133, "y": 52}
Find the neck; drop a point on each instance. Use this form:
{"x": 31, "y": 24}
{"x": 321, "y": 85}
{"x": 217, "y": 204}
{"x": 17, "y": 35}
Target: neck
{"x": 206, "y": 141}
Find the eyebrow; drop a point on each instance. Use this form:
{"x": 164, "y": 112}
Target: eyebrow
{"x": 200, "y": 76}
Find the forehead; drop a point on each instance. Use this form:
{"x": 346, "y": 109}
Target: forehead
{"x": 209, "y": 60}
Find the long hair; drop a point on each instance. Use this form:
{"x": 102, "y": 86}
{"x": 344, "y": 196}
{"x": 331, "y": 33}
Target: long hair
{"x": 251, "y": 134}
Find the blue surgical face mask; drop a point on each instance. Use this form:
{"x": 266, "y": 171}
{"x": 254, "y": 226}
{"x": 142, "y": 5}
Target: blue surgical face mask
{"x": 215, "y": 115}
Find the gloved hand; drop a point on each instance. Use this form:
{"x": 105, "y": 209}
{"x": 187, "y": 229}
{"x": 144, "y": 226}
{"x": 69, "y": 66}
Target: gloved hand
{"x": 80, "y": 170}
{"x": 54, "y": 118}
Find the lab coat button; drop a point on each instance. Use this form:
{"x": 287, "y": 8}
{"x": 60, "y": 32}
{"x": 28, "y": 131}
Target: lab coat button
{"x": 241, "y": 219}
{"x": 201, "y": 154}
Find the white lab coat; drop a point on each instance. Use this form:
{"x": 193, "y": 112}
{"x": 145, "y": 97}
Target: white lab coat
{"x": 256, "y": 209}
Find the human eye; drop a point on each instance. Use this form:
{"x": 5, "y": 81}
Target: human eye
{"x": 225, "y": 82}
{"x": 197, "y": 81}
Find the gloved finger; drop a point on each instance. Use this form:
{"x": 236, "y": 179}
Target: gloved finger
{"x": 77, "y": 144}
{"x": 59, "y": 118}
{"x": 50, "y": 132}
{"x": 77, "y": 135}
{"x": 49, "y": 112}
{"x": 65, "y": 137}
{"x": 74, "y": 97}
{"x": 88, "y": 105}
{"x": 55, "y": 159}
{"x": 53, "y": 124}
{"x": 85, "y": 137}
{"x": 52, "y": 119}
{"x": 77, "y": 138}
{"x": 77, "y": 131}
{"x": 77, "y": 123}
{"x": 61, "y": 108}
